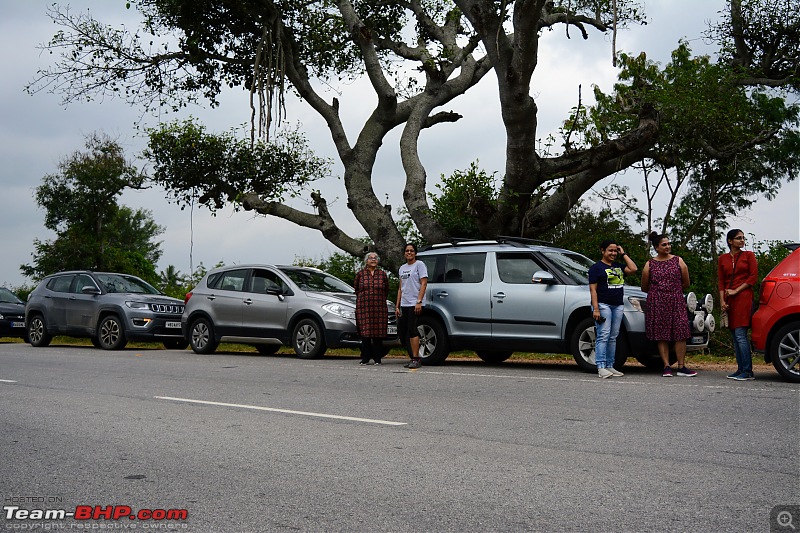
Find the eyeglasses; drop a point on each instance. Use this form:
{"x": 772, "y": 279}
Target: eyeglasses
{"x": 739, "y": 238}
{"x": 372, "y": 258}
{"x": 410, "y": 252}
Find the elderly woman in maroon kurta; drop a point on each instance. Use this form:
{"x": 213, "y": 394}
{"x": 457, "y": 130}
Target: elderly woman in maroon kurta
{"x": 372, "y": 313}
{"x": 737, "y": 274}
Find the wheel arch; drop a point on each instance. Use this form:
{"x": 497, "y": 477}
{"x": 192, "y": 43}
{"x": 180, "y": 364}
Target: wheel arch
{"x": 794, "y": 317}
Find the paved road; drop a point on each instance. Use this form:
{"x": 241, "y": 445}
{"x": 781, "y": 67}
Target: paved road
{"x": 255, "y": 443}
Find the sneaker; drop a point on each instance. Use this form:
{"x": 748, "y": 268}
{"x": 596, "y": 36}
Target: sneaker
{"x": 414, "y": 364}
{"x": 362, "y": 363}
{"x": 744, "y": 376}
{"x": 408, "y": 365}
{"x": 377, "y": 363}
{"x": 733, "y": 376}
{"x": 667, "y": 372}
{"x": 685, "y": 372}
{"x": 604, "y": 373}
{"x": 616, "y": 373}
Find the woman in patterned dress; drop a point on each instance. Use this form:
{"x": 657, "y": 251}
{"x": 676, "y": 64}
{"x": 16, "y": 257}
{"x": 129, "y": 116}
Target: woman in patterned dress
{"x": 372, "y": 313}
{"x": 664, "y": 278}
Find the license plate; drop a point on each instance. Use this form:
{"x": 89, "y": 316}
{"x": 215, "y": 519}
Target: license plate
{"x": 698, "y": 340}
{"x": 173, "y": 325}
{"x": 18, "y": 324}
{"x": 392, "y": 330}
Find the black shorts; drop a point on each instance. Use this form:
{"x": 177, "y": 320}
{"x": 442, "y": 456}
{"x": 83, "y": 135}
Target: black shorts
{"x": 407, "y": 324}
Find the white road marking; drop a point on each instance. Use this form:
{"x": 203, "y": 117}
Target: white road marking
{"x": 7, "y": 381}
{"x": 287, "y": 411}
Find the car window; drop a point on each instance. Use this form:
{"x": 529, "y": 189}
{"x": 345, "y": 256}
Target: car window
{"x": 434, "y": 276}
{"x": 81, "y": 281}
{"x": 317, "y": 281}
{"x": 8, "y": 297}
{"x": 231, "y": 280}
{"x": 517, "y": 268}
{"x": 265, "y": 280}
{"x": 125, "y": 284}
{"x": 464, "y": 268}
{"x": 573, "y": 265}
{"x": 60, "y": 283}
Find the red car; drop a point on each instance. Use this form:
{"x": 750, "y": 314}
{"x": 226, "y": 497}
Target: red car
{"x": 776, "y": 322}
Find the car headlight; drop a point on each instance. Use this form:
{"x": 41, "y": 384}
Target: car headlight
{"x": 691, "y": 301}
{"x": 699, "y": 322}
{"x": 639, "y": 304}
{"x": 343, "y": 311}
{"x": 711, "y": 324}
{"x": 708, "y": 303}
{"x": 137, "y": 305}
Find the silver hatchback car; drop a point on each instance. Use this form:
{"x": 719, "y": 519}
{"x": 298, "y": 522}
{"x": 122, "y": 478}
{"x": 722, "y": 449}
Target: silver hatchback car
{"x": 107, "y": 307}
{"x": 498, "y": 297}
{"x": 270, "y": 306}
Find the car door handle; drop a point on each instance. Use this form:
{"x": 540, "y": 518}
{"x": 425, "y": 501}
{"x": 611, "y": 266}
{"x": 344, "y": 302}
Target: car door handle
{"x": 500, "y": 295}
{"x": 211, "y": 297}
{"x": 248, "y": 302}
{"x": 442, "y": 294}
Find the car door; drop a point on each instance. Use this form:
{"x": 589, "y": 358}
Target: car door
{"x": 264, "y": 306}
{"x": 521, "y": 308}
{"x": 461, "y": 295}
{"x": 227, "y": 298}
{"x": 55, "y": 302}
{"x": 81, "y": 309}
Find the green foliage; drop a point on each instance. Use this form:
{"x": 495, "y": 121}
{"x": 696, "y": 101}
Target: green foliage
{"x": 92, "y": 230}
{"x": 459, "y": 194}
{"x": 218, "y": 168}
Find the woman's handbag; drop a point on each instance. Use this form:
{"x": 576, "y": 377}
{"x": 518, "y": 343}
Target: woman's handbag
{"x": 723, "y": 319}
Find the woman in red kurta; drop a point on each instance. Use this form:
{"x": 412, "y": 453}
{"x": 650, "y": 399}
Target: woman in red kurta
{"x": 737, "y": 273}
{"x": 372, "y": 312}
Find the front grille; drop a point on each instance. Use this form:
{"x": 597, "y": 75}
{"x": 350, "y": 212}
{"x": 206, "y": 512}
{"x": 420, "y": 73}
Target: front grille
{"x": 14, "y": 318}
{"x": 173, "y": 309}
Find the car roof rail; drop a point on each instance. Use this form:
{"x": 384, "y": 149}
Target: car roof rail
{"x": 517, "y": 241}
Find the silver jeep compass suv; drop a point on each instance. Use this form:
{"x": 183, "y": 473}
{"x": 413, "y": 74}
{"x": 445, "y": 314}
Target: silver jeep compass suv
{"x": 107, "y": 307}
{"x": 501, "y": 296}
{"x": 270, "y": 306}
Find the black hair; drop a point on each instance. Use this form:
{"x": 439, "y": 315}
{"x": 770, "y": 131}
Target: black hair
{"x": 411, "y": 244}
{"x": 731, "y": 234}
{"x": 606, "y": 243}
{"x": 655, "y": 238}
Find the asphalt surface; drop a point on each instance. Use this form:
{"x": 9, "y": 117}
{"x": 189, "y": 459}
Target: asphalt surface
{"x": 270, "y": 443}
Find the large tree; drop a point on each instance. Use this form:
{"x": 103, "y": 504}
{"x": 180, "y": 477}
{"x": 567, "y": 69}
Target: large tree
{"x": 93, "y": 231}
{"x": 417, "y": 55}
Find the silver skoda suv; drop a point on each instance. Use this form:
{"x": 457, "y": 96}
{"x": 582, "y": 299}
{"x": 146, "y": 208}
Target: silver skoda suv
{"x": 270, "y": 306}
{"x": 109, "y": 308}
{"x": 509, "y": 294}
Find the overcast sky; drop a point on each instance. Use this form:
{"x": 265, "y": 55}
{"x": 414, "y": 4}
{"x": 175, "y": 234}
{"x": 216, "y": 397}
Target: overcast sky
{"x": 36, "y": 132}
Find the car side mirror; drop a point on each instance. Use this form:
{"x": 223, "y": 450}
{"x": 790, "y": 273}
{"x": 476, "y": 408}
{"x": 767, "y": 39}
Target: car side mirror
{"x": 90, "y": 290}
{"x": 542, "y": 277}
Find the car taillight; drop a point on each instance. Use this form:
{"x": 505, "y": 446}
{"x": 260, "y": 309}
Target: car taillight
{"x": 186, "y": 299}
{"x": 767, "y": 287}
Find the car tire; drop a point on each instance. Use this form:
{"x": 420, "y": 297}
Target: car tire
{"x": 267, "y": 349}
{"x": 111, "y": 333}
{"x": 581, "y": 345}
{"x": 433, "y": 342}
{"x": 95, "y": 342}
{"x": 784, "y": 351}
{"x": 308, "y": 339}
{"x": 175, "y": 344}
{"x": 37, "y": 332}
{"x": 493, "y": 357}
{"x": 623, "y": 350}
{"x": 201, "y": 337}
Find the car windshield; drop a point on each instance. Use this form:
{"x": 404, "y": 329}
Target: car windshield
{"x": 8, "y": 297}
{"x": 317, "y": 281}
{"x": 126, "y": 284}
{"x": 573, "y": 265}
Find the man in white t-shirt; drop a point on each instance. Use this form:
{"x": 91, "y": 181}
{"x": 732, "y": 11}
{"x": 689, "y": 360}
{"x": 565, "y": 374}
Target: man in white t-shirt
{"x": 413, "y": 281}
